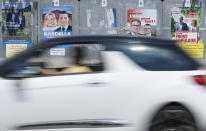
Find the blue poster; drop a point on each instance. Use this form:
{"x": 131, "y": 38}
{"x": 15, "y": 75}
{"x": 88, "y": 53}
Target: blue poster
{"x": 17, "y": 23}
{"x": 57, "y": 21}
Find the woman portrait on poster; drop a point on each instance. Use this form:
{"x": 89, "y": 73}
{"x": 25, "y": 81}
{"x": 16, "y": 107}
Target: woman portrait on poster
{"x": 194, "y": 25}
{"x": 22, "y": 21}
{"x": 49, "y": 21}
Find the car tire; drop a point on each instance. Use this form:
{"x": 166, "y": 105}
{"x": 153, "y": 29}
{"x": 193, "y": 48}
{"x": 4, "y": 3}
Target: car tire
{"x": 173, "y": 126}
{"x": 173, "y": 118}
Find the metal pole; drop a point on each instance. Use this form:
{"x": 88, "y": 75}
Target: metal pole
{"x": 79, "y": 17}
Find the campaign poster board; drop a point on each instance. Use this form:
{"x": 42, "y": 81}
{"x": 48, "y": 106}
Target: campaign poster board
{"x": 185, "y": 24}
{"x": 195, "y": 50}
{"x": 142, "y": 22}
{"x": 16, "y": 24}
{"x": 56, "y": 21}
{"x": 98, "y": 18}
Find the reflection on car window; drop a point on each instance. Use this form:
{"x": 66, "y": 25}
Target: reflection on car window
{"x": 74, "y": 59}
{"x": 158, "y": 57}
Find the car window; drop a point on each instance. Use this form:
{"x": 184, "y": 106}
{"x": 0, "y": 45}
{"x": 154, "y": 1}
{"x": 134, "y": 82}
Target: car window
{"x": 158, "y": 57}
{"x": 64, "y": 59}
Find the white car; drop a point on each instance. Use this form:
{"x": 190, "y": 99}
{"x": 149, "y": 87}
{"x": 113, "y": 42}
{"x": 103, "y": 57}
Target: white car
{"x": 136, "y": 84}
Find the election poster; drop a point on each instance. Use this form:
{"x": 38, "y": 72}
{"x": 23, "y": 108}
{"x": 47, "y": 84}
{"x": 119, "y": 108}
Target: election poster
{"x": 57, "y": 21}
{"x": 142, "y": 22}
{"x": 185, "y": 24}
{"x": 16, "y": 24}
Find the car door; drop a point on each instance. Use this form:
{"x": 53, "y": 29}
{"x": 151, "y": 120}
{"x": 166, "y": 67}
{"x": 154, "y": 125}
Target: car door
{"x": 60, "y": 100}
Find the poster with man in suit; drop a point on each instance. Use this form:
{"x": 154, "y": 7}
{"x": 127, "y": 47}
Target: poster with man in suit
{"x": 16, "y": 26}
{"x": 12, "y": 22}
{"x": 57, "y": 21}
{"x": 142, "y": 22}
{"x": 185, "y": 24}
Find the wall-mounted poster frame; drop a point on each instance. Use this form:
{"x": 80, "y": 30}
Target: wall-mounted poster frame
{"x": 16, "y": 26}
{"x": 57, "y": 21}
{"x": 142, "y": 22}
{"x": 185, "y": 24}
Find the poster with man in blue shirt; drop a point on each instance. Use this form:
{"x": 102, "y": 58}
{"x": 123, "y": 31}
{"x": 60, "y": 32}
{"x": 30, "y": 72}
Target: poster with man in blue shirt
{"x": 181, "y": 26}
{"x": 185, "y": 24}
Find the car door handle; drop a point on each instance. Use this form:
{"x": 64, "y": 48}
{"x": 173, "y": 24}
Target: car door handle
{"x": 95, "y": 83}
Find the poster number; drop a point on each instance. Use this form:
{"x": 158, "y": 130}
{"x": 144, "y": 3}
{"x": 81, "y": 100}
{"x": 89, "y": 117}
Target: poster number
{"x": 56, "y": 2}
{"x": 141, "y": 3}
{"x": 187, "y": 3}
{"x": 104, "y": 3}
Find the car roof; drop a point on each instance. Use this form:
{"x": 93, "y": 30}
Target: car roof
{"x": 108, "y": 38}
{"x": 94, "y": 39}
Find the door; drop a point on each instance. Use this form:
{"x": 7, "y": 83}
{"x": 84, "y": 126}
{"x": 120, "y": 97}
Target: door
{"x": 60, "y": 100}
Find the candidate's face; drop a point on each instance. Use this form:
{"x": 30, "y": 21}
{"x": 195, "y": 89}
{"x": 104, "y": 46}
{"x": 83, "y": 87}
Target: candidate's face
{"x": 193, "y": 23}
{"x": 147, "y": 30}
{"x": 63, "y": 20}
{"x": 181, "y": 19}
{"x": 50, "y": 20}
{"x": 135, "y": 27}
{"x": 20, "y": 13}
{"x": 12, "y": 9}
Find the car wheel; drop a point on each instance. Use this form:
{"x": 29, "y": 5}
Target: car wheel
{"x": 173, "y": 126}
{"x": 173, "y": 117}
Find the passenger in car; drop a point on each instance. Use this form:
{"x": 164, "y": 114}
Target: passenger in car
{"x": 75, "y": 68}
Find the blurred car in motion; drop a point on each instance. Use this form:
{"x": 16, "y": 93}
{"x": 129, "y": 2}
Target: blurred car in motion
{"x": 134, "y": 84}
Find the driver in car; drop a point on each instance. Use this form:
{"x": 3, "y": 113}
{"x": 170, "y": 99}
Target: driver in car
{"x": 75, "y": 68}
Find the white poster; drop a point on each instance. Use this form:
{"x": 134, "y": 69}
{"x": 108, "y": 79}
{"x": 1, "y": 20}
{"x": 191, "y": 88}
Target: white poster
{"x": 142, "y": 22}
{"x": 56, "y": 2}
{"x": 57, "y": 51}
{"x": 186, "y": 37}
{"x": 104, "y": 3}
{"x": 187, "y": 3}
{"x": 141, "y": 3}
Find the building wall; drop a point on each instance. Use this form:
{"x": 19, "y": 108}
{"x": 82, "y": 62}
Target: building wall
{"x": 79, "y": 16}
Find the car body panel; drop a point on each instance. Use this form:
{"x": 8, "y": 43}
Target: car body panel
{"x": 123, "y": 92}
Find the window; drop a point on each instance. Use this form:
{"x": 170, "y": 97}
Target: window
{"x": 157, "y": 57}
{"x": 64, "y": 59}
